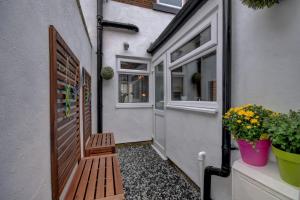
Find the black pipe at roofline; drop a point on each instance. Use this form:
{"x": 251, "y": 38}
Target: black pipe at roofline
{"x": 225, "y": 169}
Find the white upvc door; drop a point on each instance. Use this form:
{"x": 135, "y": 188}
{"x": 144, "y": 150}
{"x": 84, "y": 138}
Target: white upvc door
{"x": 159, "y": 137}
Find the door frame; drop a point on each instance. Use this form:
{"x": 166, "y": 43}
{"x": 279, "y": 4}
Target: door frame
{"x": 160, "y": 148}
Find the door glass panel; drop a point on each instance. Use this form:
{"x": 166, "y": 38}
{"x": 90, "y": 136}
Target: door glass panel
{"x": 159, "y": 86}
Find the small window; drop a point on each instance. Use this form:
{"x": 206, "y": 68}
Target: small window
{"x": 173, "y": 3}
{"x": 195, "y": 81}
{"x": 133, "y": 88}
{"x": 159, "y": 86}
{"x": 200, "y": 39}
{"x": 133, "y": 81}
{"x": 134, "y": 66}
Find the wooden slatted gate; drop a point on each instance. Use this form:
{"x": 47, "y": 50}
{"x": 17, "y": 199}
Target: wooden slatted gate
{"x": 64, "y": 111}
{"x": 87, "y": 107}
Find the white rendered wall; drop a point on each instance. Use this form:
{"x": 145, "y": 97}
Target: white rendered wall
{"x": 265, "y": 56}
{"x": 128, "y": 124}
{"x": 24, "y": 97}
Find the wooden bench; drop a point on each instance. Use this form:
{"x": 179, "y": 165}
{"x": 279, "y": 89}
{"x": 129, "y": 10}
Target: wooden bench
{"x": 97, "y": 178}
{"x": 100, "y": 144}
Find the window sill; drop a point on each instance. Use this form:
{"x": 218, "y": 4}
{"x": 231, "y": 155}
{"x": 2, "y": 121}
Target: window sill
{"x": 166, "y": 9}
{"x": 133, "y": 105}
{"x": 194, "y": 109}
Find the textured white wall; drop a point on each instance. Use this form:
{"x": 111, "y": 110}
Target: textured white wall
{"x": 24, "y": 97}
{"x": 134, "y": 124}
{"x": 265, "y": 55}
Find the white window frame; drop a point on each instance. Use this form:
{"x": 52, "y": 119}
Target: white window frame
{"x": 205, "y": 49}
{"x": 134, "y": 72}
{"x": 169, "y": 5}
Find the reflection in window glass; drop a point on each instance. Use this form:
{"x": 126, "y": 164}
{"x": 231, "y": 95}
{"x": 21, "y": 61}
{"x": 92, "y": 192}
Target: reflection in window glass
{"x": 195, "y": 81}
{"x": 177, "y": 3}
{"x": 134, "y": 66}
{"x": 159, "y": 86}
{"x": 193, "y": 44}
{"x": 133, "y": 88}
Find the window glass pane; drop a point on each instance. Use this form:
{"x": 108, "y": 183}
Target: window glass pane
{"x": 193, "y": 44}
{"x": 159, "y": 86}
{"x": 177, "y": 3}
{"x": 195, "y": 81}
{"x": 133, "y": 88}
{"x": 133, "y": 66}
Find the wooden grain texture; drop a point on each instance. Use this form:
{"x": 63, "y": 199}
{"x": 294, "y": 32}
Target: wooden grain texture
{"x": 64, "y": 131}
{"x": 87, "y": 107}
{"x": 99, "y": 144}
{"x": 97, "y": 177}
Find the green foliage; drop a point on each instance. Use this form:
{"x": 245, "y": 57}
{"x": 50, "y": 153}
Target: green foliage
{"x": 284, "y": 131}
{"x": 259, "y": 4}
{"x": 107, "y": 73}
{"x": 246, "y": 122}
{"x": 68, "y": 96}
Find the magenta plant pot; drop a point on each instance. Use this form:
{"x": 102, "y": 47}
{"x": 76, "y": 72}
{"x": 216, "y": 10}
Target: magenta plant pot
{"x": 257, "y": 155}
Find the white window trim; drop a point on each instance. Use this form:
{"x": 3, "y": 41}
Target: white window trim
{"x": 120, "y": 59}
{"x": 172, "y": 6}
{"x": 210, "y": 107}
{"x": 212, "y": 22}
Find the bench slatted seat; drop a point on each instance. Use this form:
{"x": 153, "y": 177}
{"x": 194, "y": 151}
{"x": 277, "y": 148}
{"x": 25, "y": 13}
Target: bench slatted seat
{"x": 99, "y": 144}
{"x": 97, "y": 178}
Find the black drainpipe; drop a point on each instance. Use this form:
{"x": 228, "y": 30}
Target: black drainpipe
{"x": 99, "y": 64}
{"x": 225, "y": 169}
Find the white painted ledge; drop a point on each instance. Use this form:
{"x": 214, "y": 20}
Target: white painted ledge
{"x": 267, "y": 176}
{"x": 133, "y": 105}
{"x": 194, "y": 109}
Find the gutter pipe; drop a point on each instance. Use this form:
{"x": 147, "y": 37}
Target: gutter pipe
{"x": 225, "y": 169}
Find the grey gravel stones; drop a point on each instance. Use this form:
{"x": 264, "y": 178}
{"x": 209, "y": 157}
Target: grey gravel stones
{"x": 147, "y": 176}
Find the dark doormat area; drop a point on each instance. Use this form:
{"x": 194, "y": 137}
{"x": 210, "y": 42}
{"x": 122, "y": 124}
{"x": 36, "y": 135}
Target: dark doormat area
{"x": 147, "y": 176}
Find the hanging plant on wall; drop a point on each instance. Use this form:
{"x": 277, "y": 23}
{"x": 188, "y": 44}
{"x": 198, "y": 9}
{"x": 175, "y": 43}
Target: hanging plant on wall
{"x": 107, "y": 73}
{"x": 259, "y": 4}
{"x": 68, "y": 96}
{"x": 196, "y": 78}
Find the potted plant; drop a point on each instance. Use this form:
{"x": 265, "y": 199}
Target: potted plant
{"x": 285, "y": 137}
{"x": 107, "y": 73}
{"x": 245, "y": 123}
{"x": 259, "y": 4}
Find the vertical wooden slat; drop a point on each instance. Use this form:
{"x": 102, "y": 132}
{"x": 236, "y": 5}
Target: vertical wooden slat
{"x": 77, "y": 176}
{"x": 117, "y": 177}
{"x": 90, "y": 194}
{"x": 53, "y": 113}
{"x": 109, "y": 177}
{"x": 84, "y": 181}
{"x": 101, "y": 177}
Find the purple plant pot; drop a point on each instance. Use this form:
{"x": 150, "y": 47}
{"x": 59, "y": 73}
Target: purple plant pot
{"x": 258, "y": 155}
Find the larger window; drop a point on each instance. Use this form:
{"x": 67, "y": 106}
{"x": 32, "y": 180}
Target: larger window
{"x": 133, "y": 81}
{"x": 193, "y": 68}
{"x": 195, "y": 81}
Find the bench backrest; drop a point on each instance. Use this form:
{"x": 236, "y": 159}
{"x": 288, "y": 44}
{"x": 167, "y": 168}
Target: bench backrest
{"x": 64, "y": 111}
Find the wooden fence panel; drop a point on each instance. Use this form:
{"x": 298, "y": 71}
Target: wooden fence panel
{"x": 86, "y": 108}
{"x": 64, "y": 111}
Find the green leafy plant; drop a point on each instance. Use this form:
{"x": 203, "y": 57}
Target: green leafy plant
{"x": 246, "y": 122}
{"x": 259, "y": 4}
{"x": 284, "y": 131}
{"x": 107, "y": 73}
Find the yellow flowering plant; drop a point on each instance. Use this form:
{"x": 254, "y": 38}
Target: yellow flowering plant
{"x": 246, "y": 122}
